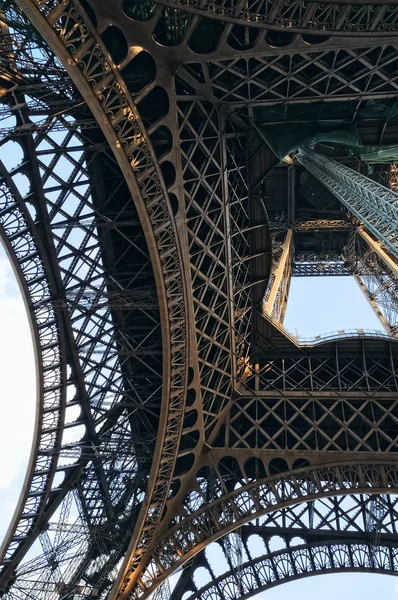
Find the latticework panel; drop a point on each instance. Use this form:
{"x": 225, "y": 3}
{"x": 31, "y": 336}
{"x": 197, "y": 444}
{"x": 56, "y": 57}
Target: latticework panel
{"x": 208, "y": 225}
{"x": 377, "y": 280}
{"x": 326, "y": 534}
{"x": 242, "y": 252}
{"x": 152, "y": 256}
{"x": 336, "y": 423}
{"x": 341, "y": 75}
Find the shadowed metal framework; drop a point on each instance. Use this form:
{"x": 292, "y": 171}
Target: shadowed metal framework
{"x": 180, "y": 428}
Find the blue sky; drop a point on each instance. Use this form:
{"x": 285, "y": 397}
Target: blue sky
{"x": 17, "y": 391}
{"x": 322, "y": 304}
{"x": 315, "y": 306}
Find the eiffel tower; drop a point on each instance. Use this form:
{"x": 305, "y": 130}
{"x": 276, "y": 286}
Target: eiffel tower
{"x": 182, "y": 160}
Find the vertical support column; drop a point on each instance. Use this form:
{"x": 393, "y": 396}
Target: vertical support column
{"x": 291, "y": 207}
{"x": 379, "y": 281}
{"x": 374, "y": 205}
{"x": 372, "y": 302}
{"x": 227, "y": 238}
{"x": 275, "y": 304}
{"x": 376, "y": 273}
{"x": 378, "y": 249}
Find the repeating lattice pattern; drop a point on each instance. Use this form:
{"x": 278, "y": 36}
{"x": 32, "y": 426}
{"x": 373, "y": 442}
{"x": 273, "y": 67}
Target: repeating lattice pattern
{"x": 131, "y": 262}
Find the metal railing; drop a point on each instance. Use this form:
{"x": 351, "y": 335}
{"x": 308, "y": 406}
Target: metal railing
{"x": 341, "y": 334}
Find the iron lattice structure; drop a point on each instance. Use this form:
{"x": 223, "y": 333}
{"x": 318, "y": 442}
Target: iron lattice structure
{"x": 179, "y": 426}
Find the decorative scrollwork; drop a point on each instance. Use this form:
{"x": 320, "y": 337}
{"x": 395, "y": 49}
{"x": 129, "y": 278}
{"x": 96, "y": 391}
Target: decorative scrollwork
{"x": 249, "y": 502}
{"x": 290, "y": 564}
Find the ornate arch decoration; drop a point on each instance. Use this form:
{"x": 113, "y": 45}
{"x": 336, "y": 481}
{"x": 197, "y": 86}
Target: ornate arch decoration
{"x": 346, "y": 533}
{"x": 208, "y": 523}
{"x": 31, "y": 265}
{"x": 68, "y": 30}
{"x": 240, "y": 36}
{"x": 316, "y": 558}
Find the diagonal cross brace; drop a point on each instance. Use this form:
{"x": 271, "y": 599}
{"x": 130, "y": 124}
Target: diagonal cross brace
{"x": 373, "y": 204}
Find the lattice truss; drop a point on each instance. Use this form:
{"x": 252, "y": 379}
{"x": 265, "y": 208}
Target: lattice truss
{"x": 277, "y": 292}
{"x": 322, "y": 535}
{"x": 326, "y": 75}
{"x": 373, "y": 204}
{"x": 374, "y": 271}
{"x": 278, "y": 13}
{"x": 96, "y": 323}
{"x": 172, "y": 415}
{"x": 362, "y": 257}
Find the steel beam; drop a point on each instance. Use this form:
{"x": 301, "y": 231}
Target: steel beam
{"x": 376, "y": 272}
{"x": 343, "y": 19}
{"x": 280, "y": 283}
{"x": 376, "y": 247}
{"x": 375, "y": 206}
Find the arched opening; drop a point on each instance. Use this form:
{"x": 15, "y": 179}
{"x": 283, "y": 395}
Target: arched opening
{"x": 116, "y": 43}
{"x": 278, "y": 39}
{"x": 171, "y": 27}
{"x": 139, "y": 72}
{"x": 139, "y": 10}
{"x": 344, "y": 537}
{"x": 206, "y": 36}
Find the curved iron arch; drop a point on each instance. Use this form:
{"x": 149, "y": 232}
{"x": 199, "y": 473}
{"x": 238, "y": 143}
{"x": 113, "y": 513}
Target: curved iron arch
{"x": 115, "y": 111}
{"x": 189, "y": 535}
{"x": 17, "y": 231}
{"x": 323, "y": 537}
{"x": 87, "y": 346}
{"x": 295, "y": 563}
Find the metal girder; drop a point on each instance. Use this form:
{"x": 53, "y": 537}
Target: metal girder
{"x": 175, "y": 212}
{"x": 319, "y": 422}
{"x": 275, "y": 300}
{"x": 291, "y": 206}
{"x": 320, "y": 269}
{"x": 393, "y": 177}
{"x": 286, "y": 546}
{"x": 345, "y": 19}
{"x": 181, "y": 33}
{"x": 342, "y": 75}
{"x": 378, "y": 249}
{"x": 375, "y": 271}
{"x": 322, "y": 225}
{"x": 373, "y": 204}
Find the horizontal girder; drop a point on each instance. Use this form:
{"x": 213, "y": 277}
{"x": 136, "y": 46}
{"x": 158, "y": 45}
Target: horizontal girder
{"x": 343, "y": 19}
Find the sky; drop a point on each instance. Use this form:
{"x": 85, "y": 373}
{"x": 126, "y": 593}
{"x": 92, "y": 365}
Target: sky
{"x": 17, "y": 391}
{"x": 317, "y": 306}
{"x": 324, "y": 304}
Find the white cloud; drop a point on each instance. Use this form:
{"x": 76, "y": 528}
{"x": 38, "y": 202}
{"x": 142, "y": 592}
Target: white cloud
{"x": 17, "y": 391}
